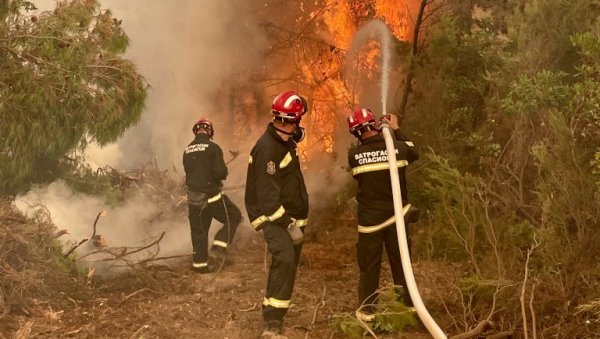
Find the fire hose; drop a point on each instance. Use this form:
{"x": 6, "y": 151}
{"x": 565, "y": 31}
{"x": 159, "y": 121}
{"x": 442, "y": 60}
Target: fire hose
{"x": 422, "y": 312}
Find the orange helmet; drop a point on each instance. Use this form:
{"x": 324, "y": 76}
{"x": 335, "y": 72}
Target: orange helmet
{"x": 205, "y": 124}
{"x": 359, "y": 120}
{"x": 289, "y": 106}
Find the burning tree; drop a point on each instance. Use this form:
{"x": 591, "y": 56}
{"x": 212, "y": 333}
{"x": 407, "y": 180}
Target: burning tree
{"x": 309, "y": 43}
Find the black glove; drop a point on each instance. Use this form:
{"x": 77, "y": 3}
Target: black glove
{"x": 412, "y": 215}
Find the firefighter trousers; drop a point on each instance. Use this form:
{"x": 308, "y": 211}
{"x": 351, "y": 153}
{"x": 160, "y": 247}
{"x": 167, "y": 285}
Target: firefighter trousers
{"x": 369, "y": 251}
{"x": 282, "y": 273}
{"x": 222, "y": 209}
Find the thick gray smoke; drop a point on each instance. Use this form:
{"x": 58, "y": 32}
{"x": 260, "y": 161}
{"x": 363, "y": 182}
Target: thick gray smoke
{"x": 189, "y": 51}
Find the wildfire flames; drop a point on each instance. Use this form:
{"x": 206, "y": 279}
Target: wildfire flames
{"x": 309, "y": 55}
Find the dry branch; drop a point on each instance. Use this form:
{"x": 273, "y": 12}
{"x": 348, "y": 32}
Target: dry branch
{"x": 320, "y": 304}
{"x": 75, "y": 247}
{"x": 123, "y": 251}
{"x": 476, "y": 331}
{"x": 136, "y": 333}
{"x": 145, "y": 289}
{"x": 251, "y": 308}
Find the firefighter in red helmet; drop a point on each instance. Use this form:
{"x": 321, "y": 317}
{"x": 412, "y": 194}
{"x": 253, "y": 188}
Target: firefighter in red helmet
{"x": 204, "y": 170}
{"x": 277, "y": 203}
{"x": 376, "y": 218}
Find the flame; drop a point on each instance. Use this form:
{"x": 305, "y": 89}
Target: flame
{"x": 396, "y": 15}
{"x": 333, "y": 96}
{"x": 314, "y": 62}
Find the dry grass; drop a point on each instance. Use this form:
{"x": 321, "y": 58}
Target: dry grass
{"x": 34, "y": 275}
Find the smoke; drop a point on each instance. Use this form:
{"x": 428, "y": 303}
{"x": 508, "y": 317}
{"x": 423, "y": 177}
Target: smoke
{"x": 190, "y": 52}
{"x": 125, "y": 225}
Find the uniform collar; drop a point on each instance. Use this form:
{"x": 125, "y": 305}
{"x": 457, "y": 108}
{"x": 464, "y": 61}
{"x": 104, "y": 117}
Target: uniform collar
{"x": 372, "y": 139}
{"x": 273, "y": 132}
{"x": 202, "y": 136}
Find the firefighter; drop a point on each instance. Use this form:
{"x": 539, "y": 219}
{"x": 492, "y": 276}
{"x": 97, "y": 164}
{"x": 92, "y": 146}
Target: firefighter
{"x": 277, "y": 203}
{"x": 376, "y": 217}
{"x": 204, "y": 170}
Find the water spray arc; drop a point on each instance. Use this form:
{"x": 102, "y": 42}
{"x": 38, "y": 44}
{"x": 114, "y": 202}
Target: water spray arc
{"x": 382, "y": 30}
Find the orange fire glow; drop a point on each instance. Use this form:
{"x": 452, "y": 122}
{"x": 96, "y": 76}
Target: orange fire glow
{"x": 314, "y": 62}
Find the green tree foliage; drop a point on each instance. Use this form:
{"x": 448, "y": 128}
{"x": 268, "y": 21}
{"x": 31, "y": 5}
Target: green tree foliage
{"x": 63, "y": 83}
{"x": 508, "y": 103}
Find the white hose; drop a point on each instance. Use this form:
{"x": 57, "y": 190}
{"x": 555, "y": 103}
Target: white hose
{"x": 422, "y": 312}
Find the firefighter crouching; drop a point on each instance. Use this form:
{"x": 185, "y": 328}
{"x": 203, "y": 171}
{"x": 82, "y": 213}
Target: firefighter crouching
{"x": 204, "y": 170}
{"x": 376, "y": 217}
{"x": 277, "y": 203}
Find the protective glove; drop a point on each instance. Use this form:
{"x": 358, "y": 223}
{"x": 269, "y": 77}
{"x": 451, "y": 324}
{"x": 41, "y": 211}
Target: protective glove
{"x": 295, "y": 232}
{"x": 412, "y": 215}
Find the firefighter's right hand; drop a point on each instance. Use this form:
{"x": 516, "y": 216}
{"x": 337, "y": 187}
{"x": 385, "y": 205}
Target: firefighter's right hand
{"x": 295, "y": 233}
{"x": 412, "y": 215}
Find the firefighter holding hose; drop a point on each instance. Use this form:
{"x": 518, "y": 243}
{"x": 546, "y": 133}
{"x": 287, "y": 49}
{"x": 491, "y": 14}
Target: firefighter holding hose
{"x": 376, "y": 218}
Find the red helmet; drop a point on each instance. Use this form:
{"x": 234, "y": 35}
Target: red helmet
{"x": 205, "y": 124}
{"x": 359, "y": 120}
{"x": 289, "y": 106}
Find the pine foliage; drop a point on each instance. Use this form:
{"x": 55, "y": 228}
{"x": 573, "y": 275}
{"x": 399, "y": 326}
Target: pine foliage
{"x": 63, "y": 83}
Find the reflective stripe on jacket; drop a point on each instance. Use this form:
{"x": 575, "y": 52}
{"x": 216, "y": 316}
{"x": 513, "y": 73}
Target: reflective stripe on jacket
{"x": 275, "y": 188}
{"x": 369, "y": 165}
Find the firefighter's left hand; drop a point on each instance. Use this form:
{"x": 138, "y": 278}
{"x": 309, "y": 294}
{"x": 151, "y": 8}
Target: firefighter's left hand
{"x": 391, "y": 119}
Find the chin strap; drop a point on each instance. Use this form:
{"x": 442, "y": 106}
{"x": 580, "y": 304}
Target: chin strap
{"x": 282, "y": 131}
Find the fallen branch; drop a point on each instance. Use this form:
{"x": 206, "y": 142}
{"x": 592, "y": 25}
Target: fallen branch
{"x": 145, "y": 289}
{"x": 477, "y": 330}
{"x": 144, "y": 327}
{"x": 364, "y": 324}
{"x": 75, "y": 247}
{"x": 251, "y": 308}
{"x": 75, "y": 331}
{"x": 164, "y": 258}
{"x": 124, "y": 251}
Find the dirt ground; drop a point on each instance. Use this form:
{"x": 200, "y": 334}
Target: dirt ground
{"x": 183, "y": 304}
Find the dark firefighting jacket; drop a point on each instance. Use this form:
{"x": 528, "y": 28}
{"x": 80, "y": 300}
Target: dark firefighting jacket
{"x": 369, "y": 164}
{"x": 204, "y": 166}
{"x": 275, "y": 189}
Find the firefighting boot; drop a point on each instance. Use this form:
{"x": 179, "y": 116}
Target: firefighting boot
{"x": 218, "y": 258}
{"x": 202, "y": 269}
{"x": 273, "y": 329}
